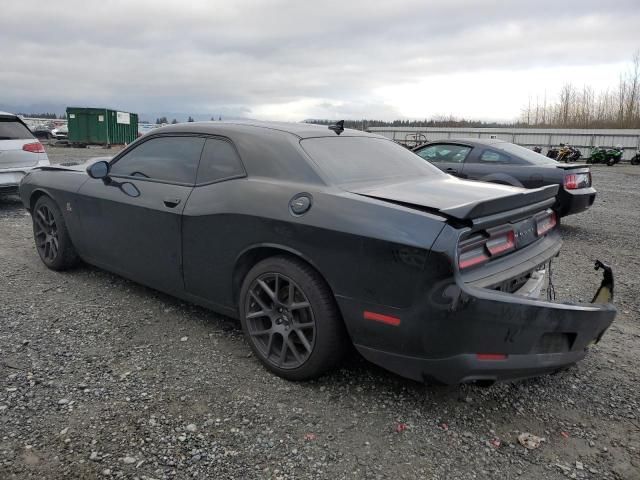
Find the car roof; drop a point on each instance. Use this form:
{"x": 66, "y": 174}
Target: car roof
{"x": 469, "y": 141}
{"x": 301, "y": 130}
{"x": 7, "y": 114}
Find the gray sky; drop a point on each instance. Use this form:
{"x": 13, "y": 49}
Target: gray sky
{"x": 290, "y": 60}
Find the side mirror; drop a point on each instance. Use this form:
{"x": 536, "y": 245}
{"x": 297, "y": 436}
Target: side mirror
{"x": 99, "y": 170}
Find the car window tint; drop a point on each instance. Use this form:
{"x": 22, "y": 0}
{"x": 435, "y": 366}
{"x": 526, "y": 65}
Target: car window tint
{"x": 13, "y": 130}
{"x": 491, "y": 156}
{"x": 365, "y": 159}
{"x": 445, "y": 153}
{"x": 169, "y": 159}
{"x": 219, "y": 160}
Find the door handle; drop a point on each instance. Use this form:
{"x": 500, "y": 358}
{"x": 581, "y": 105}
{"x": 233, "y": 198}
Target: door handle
{"x": 451, "y": 170}
{"x": 171, "y": 202}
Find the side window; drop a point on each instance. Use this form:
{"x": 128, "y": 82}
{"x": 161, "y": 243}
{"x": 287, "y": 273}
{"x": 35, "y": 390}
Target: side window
{"x": 169, "y": 159}
{"x": 219, "y": 161}
{"x": 493, "y": 157}
{"x": 445, "y": 153}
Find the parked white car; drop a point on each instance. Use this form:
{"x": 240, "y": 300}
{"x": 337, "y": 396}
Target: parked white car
{"x": 20, "y": 151}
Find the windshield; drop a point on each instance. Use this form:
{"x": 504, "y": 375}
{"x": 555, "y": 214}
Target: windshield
{"x": 525, "y": 154}
{"x": 365, "y": 159}
{"x": 11, "y": 129}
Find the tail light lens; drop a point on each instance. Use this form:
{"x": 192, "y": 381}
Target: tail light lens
{"x": 494, "y": 242}
{"x": 35, "y": 147}
{"x": 546, "y": 222}
{"x": 501, "y": 242}
{"x": 473, "y": 258}
{"x": 472, "y": 252}
{"x": 573, "y": 181}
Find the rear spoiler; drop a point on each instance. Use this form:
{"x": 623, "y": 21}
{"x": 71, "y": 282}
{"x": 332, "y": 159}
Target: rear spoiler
{"x": 544, "y": 196}
{"x": 572, "y": 166}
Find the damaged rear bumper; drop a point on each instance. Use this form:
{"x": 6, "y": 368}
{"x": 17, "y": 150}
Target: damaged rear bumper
{"x": 486, "y": 335}
{"x": 468, "y": 368}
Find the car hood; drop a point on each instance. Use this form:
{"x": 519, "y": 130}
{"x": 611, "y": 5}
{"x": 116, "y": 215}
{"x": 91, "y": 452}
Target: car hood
{"x": 452, "y": 197}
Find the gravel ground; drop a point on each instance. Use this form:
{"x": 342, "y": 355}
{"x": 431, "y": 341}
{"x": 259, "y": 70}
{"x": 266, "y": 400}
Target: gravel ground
{"x": 102, "y": 378}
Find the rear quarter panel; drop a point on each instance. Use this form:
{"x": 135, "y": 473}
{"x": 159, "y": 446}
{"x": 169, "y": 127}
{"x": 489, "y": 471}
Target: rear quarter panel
{"x": 364, "y": 248}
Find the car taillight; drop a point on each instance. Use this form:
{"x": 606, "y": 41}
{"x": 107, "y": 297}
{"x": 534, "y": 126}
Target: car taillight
{"x": 546, "y": 222}
{"x": 573, "y": 181}
{"x": 501, "y": 242}
{"x": 472, "y": 252}
{"x": 471, "y": 259}
{"x": 484, "y": 246}
{"x": 35, "y": 147}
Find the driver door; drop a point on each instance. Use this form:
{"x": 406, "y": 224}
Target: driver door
{"x": 132, "y": 223}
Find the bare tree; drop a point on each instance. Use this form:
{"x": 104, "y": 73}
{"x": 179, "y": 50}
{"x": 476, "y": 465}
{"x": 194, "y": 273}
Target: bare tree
{"x": 633, "y": 93}
{"x": 617, "y": 107}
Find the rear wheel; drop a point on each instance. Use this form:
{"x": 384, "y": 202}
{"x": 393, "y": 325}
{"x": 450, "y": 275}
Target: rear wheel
{"x": 290, "y": 319}
{"x": 51, "y": 236}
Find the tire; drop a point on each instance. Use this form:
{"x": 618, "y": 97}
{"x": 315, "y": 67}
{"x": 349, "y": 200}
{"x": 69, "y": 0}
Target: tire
{"x": 272, "y": 327}
{"x": 635, "y": 160}
{"x": 611, "y": 162}
{"x": 51, "y": 236}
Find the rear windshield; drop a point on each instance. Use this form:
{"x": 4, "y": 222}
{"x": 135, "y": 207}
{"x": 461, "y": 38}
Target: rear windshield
{"x": 11, "y": 129}
{"x": 365, "y": 159}
{"x": 524, "y": 153}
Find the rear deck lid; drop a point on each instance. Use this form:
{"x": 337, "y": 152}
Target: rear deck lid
{"x": 452, "y": 197}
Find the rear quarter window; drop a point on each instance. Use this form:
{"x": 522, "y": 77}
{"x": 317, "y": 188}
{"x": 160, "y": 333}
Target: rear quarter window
{"x": 11, "y": 129}
{"x": 219, "y": 161}
{"x": 491, "y": 157}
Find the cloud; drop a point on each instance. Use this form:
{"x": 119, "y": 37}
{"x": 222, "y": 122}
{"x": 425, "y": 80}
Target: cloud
{"x": 285, "y": 59}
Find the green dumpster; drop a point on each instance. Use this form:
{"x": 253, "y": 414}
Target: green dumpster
{"x": 101, "y": 126}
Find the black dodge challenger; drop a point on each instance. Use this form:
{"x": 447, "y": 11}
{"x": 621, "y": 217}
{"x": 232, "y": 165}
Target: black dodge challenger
{"x": 319, "y": 237}
{"x": 497, "y": 161}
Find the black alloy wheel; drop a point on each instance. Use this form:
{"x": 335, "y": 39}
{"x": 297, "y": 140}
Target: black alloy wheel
{"x": 46, "y": 233}
{"x": 280, "y": 320}
{"x": 51, "y": 236}
{"x": 290, "y": 318}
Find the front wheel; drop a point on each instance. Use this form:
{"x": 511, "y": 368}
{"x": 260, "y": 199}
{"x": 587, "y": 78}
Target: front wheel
{"x": 635, "y": 160}
{"x": 290, "y": 319}
{"x": 51, "y": 236}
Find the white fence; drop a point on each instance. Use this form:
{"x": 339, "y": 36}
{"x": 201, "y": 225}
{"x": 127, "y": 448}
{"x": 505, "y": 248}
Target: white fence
{"x": 584, "y": 139}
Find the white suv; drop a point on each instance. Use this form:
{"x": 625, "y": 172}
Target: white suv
{"x": 20, "y": 151}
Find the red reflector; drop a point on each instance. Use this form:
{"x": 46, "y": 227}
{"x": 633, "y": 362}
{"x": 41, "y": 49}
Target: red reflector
{"x": 378, "y": 317}
{"x": 491, "y": 356}
{"x": 35, "y": 147}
